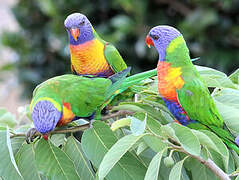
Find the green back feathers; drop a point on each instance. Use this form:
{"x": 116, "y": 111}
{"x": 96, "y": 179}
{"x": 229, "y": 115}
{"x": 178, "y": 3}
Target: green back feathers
{"x": 83, "y": 93}
{"x": 113, "y": 58}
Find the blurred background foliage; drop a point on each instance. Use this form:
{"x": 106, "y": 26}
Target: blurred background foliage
{"x": 210, "y": 27}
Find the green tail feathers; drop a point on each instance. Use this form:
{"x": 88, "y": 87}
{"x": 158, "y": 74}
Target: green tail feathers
{"x": 226, "y": 137}
{"x": 137, "y": 78}
{"x": 117, "y": 79}
{"x": 120, "y": 82}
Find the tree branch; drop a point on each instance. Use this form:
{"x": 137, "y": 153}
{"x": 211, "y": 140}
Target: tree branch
{"x": 209, "y": 163}
{"x": 58, "y": 131}
{"x": 78, "y": 128}
{"x": 213, "y": 167}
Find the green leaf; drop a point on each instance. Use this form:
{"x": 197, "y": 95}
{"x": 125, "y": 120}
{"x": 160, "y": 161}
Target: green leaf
{"x": 235, "y": 158}
{"x": 7, "y": 119}
{"x": 137, "y": 126}
{"x": 187, "y": 139}
{"x": 218, "y": 160}
{"x": 25, "y": 159}
{"x": 82, "y": 165}
{"x": 8, "y": 167}
{"x": 53, "y": 162}
{"x": 230, "y": 116}
{"x": 97, "y": 141}
{"x": 168, "y": 132}
{"x": 145, "y": 108}
{"x": 227, "y": 96}
{"x": 58, "y": 139}
{"x": 115, "y": 153}
{"x": 214, "y": 78}
{"x": 152, "y": 124}
{"x": 17, "y": 143}
{"x": 231, "y": 164}
{"x": 141, "y": 148}
{"x": 175, "y": 173}
{"x": 235, "y": 77}
{"x": 198, "y": 170}
{"x": 154, "y": 143}
{"x": 153, "y": 169}
{"x": 120, "y": 123}
{"x": 210, "y": 140}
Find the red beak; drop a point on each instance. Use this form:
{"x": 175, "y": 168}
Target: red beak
{"x": 75, "y": 32}
{"x": 149, "y": 41}
{"x": 45, "y": 136}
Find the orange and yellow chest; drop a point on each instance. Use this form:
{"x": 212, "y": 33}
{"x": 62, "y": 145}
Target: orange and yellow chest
{"x": 67, "y": 114}
{"x": 169, "y": 80}
{"x": 88, "y": 58}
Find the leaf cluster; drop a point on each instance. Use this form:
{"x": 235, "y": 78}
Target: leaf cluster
{"x": 146, "y": 145}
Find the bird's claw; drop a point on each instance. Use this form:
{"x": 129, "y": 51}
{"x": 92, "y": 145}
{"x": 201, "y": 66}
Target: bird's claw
{"x": 91, "y": 123}
{"x": 31, "y": 134}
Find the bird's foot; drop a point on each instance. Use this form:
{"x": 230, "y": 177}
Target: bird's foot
{"x": 91, "y": 123}
{"x": 31, "y": 134}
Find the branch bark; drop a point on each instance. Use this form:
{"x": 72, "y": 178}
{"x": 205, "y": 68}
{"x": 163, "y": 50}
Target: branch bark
{"x": 208, "y": 163}
{"x": 78, "y": 128}
{"x": 213, "y": 167}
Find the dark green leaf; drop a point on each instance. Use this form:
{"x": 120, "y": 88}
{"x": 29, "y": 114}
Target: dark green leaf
{"x": 141, "y": 148}
{"x": 8, "y": 167}
{"x": 26, "y": 163}
{"x": 97, "y": 141}
{"x": 153, "y": 169}
{"x": 154, "y": 143}
{"x": 53, "y": 162}
{"x": 17, "y": 143}
{"x": 187, "y": 139}
{"x": 115, "y": 153}
{"x": 82, "y": 165}
{"x": 176, "y": 172}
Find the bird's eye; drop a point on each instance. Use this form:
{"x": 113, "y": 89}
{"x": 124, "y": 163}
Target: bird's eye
{"x": 155, "y": 37}
{"x": 82, "y": 23}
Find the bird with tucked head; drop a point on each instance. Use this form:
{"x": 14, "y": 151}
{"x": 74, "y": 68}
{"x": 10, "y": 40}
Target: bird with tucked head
{"x": 181, "y": 87}
{"x": 63, "y": 99}
{"x": 91, "y": 55}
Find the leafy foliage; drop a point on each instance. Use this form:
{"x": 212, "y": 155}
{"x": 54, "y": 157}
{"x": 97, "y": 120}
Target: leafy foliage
{"x": 146, "y": 145}
{"x": 210, "y": 29}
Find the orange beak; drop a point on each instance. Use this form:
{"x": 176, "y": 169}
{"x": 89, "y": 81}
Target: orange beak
{"x": 75, "y": 32}
{"x": 149, "y": 41}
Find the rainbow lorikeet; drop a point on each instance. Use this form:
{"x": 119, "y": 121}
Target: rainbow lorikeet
{"x": 181, "y": 87}
{"x": 65, "y": 98}
{"x": 91, "y": 55}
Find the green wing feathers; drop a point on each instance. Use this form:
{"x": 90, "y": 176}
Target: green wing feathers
{"x": 75, "y": 90}
{"x": 114, "y": 59}
{"x": 196, "y": 100}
